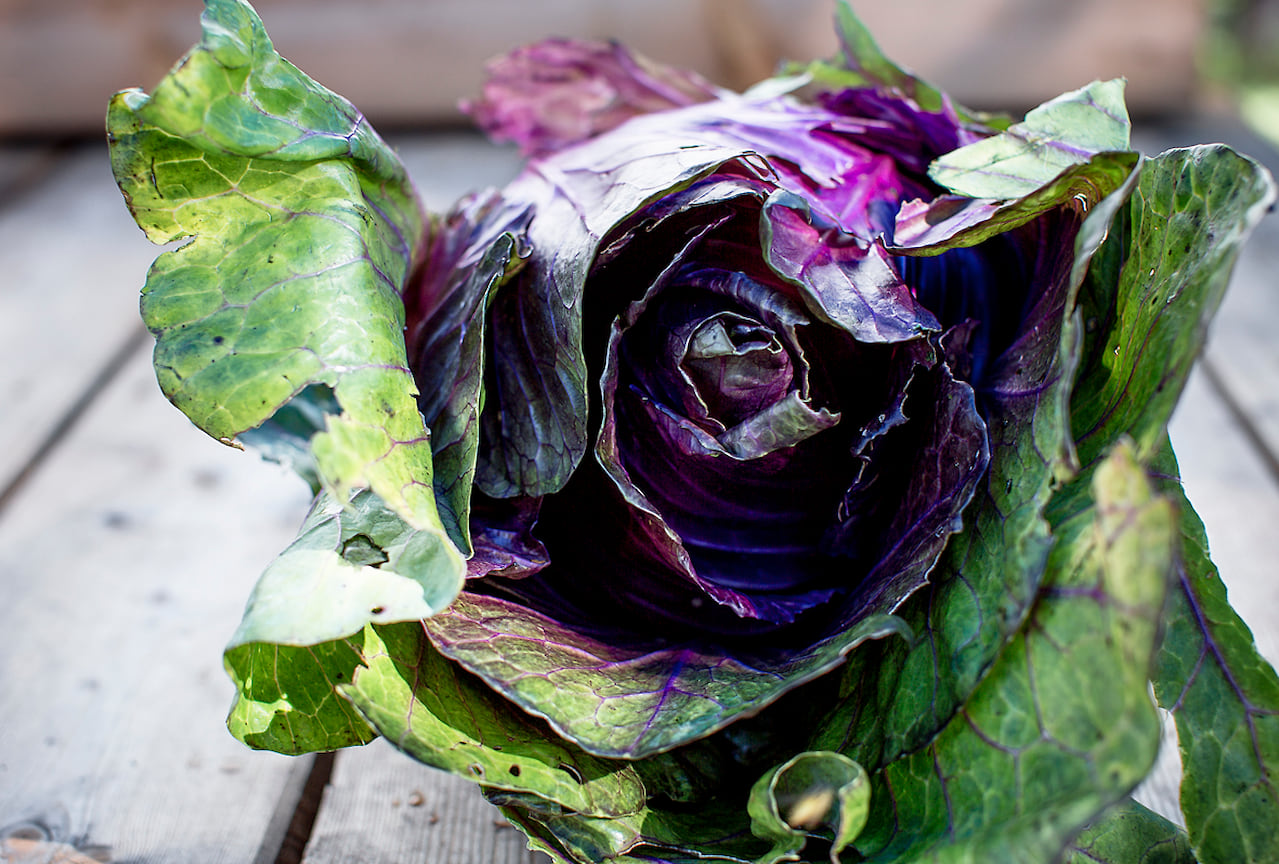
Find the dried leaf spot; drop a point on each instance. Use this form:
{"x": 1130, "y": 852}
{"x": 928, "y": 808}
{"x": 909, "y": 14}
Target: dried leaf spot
{"x": 416, "y": 799}
{"x": 810, "y": 809}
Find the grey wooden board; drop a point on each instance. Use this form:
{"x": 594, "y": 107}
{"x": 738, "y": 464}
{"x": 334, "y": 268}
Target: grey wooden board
{"x": 125, "y": 562}
{"x": 381, "y": 807}
{"x": 71, "y": 264}
{"x": 21, "y": 165}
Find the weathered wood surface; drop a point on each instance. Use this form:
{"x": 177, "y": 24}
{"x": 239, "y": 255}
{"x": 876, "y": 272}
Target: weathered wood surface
{"x": 70, "y": 267}
{"x": 118, "y": 579}
{"x": 129, "y": 546}
{"x": 381, "y": 807}
{"x": 406, "y": 61}
{"x": 125, "y": 561}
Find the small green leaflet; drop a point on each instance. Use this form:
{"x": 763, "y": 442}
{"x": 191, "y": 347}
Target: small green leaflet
{"x": 807, "y": 791}
{"x": 1061, "y": 133}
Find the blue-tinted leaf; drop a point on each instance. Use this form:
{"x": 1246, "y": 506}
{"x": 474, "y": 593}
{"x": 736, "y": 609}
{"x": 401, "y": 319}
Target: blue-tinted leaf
{"x": 472, "y": 251}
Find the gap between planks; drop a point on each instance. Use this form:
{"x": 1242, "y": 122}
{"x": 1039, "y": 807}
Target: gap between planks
{"x": 24, "y": 169}
{"x": 63, "y": 425}
{"x": 383, "y": 807}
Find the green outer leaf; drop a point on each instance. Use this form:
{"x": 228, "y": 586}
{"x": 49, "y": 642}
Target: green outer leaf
{"x": 1153, "y": 288}
{"x": 285, "y": 699}
{"x": 813, "y": 788}
{"x": 1225, "y": 699}
{"x": 899, "y": 695}
{"x": 349, "y": 566}
{"x": 619, "y": 702}
{"x": 305, "y": 227}
{"x": 300, "y": 635}
{"x": 426, "y": 707}
{"x": 1130, "y": 834}
{"x": 1063, "y": 727}
{"x": 1151, "y": 291}
{"x": 1065, "y": 131}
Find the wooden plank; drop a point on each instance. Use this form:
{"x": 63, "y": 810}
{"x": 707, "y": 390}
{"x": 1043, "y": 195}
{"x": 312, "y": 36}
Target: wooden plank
{"x": 381, "y": 807}
{"x": 403, "y": 61}
{"x": 72, "y": 262}
{"x": 125, "y": 562}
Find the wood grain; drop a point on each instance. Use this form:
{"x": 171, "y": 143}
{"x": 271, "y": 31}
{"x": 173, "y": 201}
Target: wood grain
{"x": 381, "y": 807}
{"x": 124, "y": 565}
{"x": 407, "y": 62}
{"x": 1243, "y": 354}
{"x": 71, "y": 266}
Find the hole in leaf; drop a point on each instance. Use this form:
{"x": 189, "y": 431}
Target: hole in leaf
{"x": 515, "y": 770}
{"x": 361, "y": 551}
